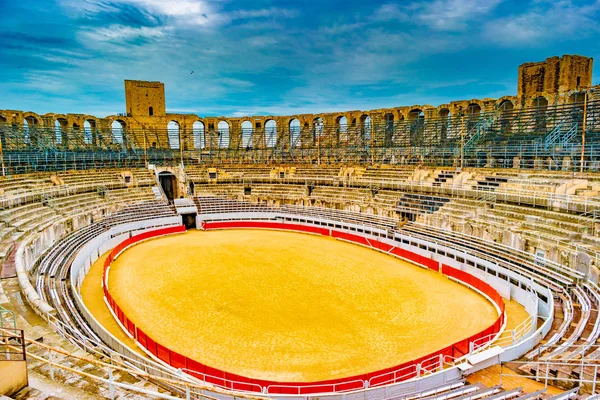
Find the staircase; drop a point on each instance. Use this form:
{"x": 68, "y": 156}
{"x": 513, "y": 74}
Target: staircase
{"x": 480, "y": 130}
{"x": 561, "y": 135}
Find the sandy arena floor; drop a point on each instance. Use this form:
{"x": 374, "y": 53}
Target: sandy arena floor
{"x": 289, "y": 306}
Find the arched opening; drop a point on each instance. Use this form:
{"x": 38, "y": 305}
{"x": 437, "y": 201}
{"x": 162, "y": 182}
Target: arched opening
{"x": 474, "y": 109}
{"x": 445, "y": 123}
{"x": 366, "y": 127}
{"x": 342, "y": 130}
{"x": 506, "y": 107}
{"x": 294, "y": 132}
{"x": 577, "y": 97}
{"x": 26, "y": 131}
{"x": 417, "y": 118}
{"x": 173, "y": 134}
{"x": 247, "y": 131}
{"x": 577, "y": 100}
{"x": 61, "y": 129}
{"x": 389, "y": 129}
{"x": 198, "y": 135}
{"x": 271, "y": 133}
{"x": 223, "y": 133}
{"x": 318, "y": 127}
{"x": 118, "y": 131}
{"x": 541, "y": 105}
{"x": 89, "y": 126}
{"x": 2, "y": 119}
{"x": 150, "y": 111}
{"x": 168, "y": 182}
{"x": 414, "y": 114}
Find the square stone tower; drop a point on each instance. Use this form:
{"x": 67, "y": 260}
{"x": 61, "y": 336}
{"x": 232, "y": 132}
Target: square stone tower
{"x": 554, "y": 78}
{"x": 145, "y": 99}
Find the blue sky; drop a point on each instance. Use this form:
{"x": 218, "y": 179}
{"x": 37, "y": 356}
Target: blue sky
{"x": 279, "y": 56}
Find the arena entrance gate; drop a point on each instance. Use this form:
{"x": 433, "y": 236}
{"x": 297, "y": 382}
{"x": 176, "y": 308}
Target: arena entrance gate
{"x": 168, "y": 182}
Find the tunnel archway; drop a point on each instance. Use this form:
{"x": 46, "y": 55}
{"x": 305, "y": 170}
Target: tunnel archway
{"x": 168, "y": 182}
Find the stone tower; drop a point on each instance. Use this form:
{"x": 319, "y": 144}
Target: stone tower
{"x": 554, "y": 79}
{"x": 145, "y": 99}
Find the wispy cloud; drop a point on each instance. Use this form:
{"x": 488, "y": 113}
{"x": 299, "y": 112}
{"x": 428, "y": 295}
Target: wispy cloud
{"x": 546, "y": 20}
{"x": 280, "y": 57}
{"x": 441, "y": 15}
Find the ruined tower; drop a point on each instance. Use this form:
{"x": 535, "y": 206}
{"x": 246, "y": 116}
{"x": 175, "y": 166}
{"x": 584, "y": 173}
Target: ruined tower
{"x": 553, "y": 79}
{"x": 145, "y": 99}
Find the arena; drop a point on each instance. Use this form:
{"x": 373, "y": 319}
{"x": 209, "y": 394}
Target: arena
{"x": 298, "y": 304}
{"x": 414, "y": 252}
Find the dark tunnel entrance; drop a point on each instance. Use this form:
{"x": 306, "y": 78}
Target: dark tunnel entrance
{"x": 168, "y": 182}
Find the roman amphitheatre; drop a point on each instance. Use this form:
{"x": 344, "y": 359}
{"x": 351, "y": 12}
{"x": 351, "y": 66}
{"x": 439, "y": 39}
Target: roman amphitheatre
{"x": 439, "y": 252}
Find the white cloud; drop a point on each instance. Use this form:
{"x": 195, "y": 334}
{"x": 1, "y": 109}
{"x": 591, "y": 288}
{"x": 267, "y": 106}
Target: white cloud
{"x": 441, "y": 15}
{"x": 546, "y": 21}
{"x": 121, "y": 33}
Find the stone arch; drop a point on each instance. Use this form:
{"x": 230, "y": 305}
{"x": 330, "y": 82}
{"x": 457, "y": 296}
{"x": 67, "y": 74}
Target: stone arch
{"x": 173, "y": 131}
{"x": 540, "y": 104}
{"x": 415, "y": 113}
{"x": 295, "y": 130}
{"x": 416, "y": 116}
{"x": 3, "y": 119}
{"x": 341, "y": 123}
{"x": 576, "y": 101}
{"x": 223, "y": 133}
{"x": 445, "y": 120}
{"x": 577, "y": 97}
{"x": 506, "y": 105}
{"x": 247, "y": 133}
{"x": 88, "y": 131}
{"x": 389, "y": 128}
{"x": 61, "y": 129}
{"x": 198, "y": 132}
{"x": 473, "y": 109}
{"x": 318, "y": 127}
{"x": 366, "y": 127}
{"x": 117, "y": 128}
{"x": 270, "y": 133}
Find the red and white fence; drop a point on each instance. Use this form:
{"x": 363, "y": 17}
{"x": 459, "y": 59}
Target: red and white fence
{"x": 412, "y": 369}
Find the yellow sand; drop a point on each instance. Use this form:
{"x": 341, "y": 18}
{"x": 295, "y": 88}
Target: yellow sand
{"x": 93, "y": 298}
{"x": 289, "y": 306}
{"x": 515, "y": 314}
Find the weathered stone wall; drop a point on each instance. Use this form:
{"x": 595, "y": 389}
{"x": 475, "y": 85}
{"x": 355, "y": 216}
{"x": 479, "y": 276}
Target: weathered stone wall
{"x": 145, "y": 98}
{"x": 558, "y": 80}
{"x": 554, "y": 79}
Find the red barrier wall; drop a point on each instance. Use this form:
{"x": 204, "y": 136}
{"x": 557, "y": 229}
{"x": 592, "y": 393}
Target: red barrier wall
{"x": 386, "y": 376}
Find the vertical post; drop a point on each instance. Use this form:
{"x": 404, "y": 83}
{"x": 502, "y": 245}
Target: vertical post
{"x": 318, "y": 137}
{"x": 2, "y": 155}
{"x": 462, "y": 141}
{"x": 111, "y": 388}
{"x": 372, "y": 142}
{"x": 180, "y": 146}
{"x": 145, "y": 156}
{"x": 583, "y": 131}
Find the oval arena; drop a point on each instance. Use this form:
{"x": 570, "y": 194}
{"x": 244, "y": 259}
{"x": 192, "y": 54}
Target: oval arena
{"x": 405, "y": 253}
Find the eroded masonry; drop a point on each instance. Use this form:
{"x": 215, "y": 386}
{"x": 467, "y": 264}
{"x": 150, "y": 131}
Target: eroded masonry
{"x": 555, "y": 111}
